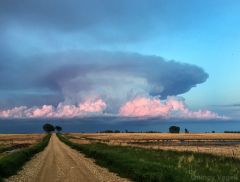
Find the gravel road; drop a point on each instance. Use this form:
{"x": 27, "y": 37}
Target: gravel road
{"x": 59, "y": 163}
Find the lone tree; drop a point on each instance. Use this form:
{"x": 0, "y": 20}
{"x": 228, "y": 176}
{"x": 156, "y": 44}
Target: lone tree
{"x": 186, "y": 130}
{"x": 174, "y": 129}
{"x": 58, "y": 128}
{"x": 48, "y": 128}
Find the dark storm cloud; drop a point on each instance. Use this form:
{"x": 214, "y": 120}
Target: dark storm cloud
{"x": 110, "y": 75}
{"x": 74, "y": 75}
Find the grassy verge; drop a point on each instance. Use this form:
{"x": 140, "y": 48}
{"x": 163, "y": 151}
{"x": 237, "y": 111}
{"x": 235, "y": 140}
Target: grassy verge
{"x": 146, "y": 165}
{"x": 11, "y": 163}
{"x": 13, "y": 147}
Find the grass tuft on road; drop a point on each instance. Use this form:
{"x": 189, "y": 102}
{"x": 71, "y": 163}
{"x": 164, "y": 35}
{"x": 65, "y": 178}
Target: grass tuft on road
{"x": 146, "y": 165}
{"x": 12, "y": 162}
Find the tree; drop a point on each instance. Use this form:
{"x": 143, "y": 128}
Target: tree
{"x": 58, "y": 128}
{"x": 174, "y": 129}
{"x": 48, "y": 128}
{"x": 186, "y": 130}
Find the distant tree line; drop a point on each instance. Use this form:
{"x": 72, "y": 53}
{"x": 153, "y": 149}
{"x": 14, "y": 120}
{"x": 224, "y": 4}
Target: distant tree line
{"x": 48, "y": 128}
{"x": 109, "y": 131}
{"x": 172, "y": 129}
{"x": 126, "y": 131}
{"x": 231, "y": 131}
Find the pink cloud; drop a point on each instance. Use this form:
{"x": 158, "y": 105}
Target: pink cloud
{"x": 173, "y": 107}
{"x": 82, "y": 109}
{"x": 16, "y": 112}
{"x": 170, "y": 108}
{"x": 61, "y": 111}
{"x": 144, "y": 107}
{"x": 44, "y": 111}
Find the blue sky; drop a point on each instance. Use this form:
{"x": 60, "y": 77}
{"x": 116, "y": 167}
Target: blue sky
{"x": 47, "y": 47}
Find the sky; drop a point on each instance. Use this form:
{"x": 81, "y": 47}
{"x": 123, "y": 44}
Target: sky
{"x": 138, "y": 58}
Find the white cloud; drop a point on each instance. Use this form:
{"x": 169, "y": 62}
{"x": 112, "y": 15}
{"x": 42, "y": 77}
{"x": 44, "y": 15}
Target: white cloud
{"x": 173, "y": 107}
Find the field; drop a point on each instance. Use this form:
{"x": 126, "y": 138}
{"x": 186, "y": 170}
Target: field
{"x": 224, "y": 144}
{"x": 141, "y": 157}
{"x": 13, "y": 142}
{"x": 20, "y": 150}
{"x": 118, "y": 153}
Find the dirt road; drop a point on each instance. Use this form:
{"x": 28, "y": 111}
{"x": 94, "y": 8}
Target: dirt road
{"x": 58, "y": 162}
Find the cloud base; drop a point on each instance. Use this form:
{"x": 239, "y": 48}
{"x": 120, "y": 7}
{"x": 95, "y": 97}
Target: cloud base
{"x": 141, "y": 107}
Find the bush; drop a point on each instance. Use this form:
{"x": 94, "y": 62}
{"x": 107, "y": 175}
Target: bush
{"x": 58, "y": 128}
{"x": 186, "y": 130}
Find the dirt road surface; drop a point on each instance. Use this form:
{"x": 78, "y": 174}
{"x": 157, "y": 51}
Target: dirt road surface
{"x": 59, "y": 163}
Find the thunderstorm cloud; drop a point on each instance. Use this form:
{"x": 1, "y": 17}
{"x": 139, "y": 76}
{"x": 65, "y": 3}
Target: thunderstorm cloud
{"x": 57, "y": 59}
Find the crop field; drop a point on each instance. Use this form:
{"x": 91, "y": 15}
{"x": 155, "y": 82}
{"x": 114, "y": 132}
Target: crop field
{"x": 20, "y": 150}
{"x": 147, "y": 163}
{"x": 225, "y": 144}
{"x": 12, "y": 142}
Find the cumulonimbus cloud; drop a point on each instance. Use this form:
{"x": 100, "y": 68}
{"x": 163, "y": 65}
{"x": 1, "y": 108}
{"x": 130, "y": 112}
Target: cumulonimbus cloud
{"x": 119, "y": 78}
{"x": 88, "y": 107}
{"x": 172, "y": 107}
{"x": 116, "y": 77}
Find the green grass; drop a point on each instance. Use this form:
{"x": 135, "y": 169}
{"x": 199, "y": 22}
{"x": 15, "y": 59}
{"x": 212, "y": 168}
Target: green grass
{"x": 1, "y": 155}
{"x": 8, "y": 148}
{"x": 11, "y": 163}
{"x": 3, "y": 149}
{"x": 146, "y": 165}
